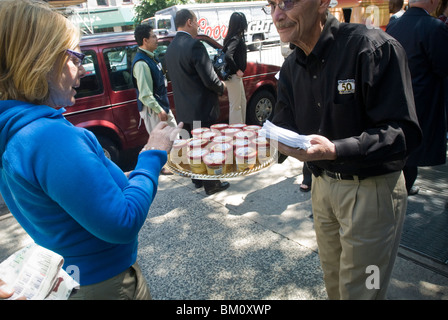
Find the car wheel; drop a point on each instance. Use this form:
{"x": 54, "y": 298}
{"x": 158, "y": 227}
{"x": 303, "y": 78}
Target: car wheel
{"x": 260, "y": 108}
{"x": 256, "y": 45}
{"x": 110, "y": 149}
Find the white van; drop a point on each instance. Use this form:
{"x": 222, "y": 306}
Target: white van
{"x": 213, "y": 19}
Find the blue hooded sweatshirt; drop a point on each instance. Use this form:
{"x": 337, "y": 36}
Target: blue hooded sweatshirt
{"x": 68, "y": 196}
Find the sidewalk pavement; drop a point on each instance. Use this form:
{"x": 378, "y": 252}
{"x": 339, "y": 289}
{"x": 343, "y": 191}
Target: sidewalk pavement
{"x": 256, "y": 240}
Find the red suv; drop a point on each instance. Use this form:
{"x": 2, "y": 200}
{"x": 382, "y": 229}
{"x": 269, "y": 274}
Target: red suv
{"x": 106, "y": 100}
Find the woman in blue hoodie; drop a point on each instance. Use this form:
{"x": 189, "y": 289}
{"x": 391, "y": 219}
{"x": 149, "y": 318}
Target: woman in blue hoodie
{"x": 55, "y": 178}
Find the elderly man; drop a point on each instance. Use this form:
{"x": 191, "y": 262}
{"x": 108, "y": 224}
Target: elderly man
{"x": 425, "y": 40}
{"x": 349, "y": 89}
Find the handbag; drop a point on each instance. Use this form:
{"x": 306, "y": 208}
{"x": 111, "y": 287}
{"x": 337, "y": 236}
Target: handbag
{"x": 220, "y": 65}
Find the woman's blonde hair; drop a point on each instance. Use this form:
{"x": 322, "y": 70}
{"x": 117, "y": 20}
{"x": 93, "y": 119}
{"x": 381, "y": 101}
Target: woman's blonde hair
{"x": 33, "y": 44}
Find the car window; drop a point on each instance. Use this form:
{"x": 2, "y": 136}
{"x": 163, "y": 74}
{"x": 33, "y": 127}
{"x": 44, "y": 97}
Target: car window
{"x": 212, "y": 51}
{"x": 164, "y": 24}
{"x": 118, "y": 62}
{"x": 159, "y": 53}
{"x": 91, "y": 82}
{"x": 162, "y": 46}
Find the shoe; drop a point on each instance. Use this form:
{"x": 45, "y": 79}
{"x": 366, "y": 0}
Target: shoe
{"x": 305, "y": 188}
{"x": 413, "y": 191}
{"x": 216, "y": 187}
{"x": 197, "y": 183}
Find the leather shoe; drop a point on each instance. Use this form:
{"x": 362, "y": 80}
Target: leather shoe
{"x": 216, "y": 187}
{"x": 413, "y": 191}
{"x": 197, "y": 183}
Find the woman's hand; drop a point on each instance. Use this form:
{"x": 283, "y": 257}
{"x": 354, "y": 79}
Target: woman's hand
{"x": 162, "y": 137}
{"x": 6, "y": 291}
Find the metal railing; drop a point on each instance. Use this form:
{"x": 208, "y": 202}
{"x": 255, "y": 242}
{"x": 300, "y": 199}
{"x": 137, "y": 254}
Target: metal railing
{"x": 268, "y": 52}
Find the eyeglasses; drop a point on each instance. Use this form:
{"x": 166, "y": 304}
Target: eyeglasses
{"x": 78, "y": 55}
{"x": 284, "y": 5}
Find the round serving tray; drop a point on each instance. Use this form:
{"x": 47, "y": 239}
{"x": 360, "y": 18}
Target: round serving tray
{"x": 185, "y": 172}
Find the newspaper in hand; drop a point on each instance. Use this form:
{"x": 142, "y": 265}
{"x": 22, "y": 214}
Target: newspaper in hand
{"x": 285, "y": 136}
{"x": 36, "y": 273}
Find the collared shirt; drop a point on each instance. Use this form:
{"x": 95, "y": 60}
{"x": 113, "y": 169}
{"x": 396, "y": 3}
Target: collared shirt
{"x": 142, "y": 74}
{"x": 355, "y": 89}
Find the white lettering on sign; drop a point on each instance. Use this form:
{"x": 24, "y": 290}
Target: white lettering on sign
{"x": 260, "y": 26}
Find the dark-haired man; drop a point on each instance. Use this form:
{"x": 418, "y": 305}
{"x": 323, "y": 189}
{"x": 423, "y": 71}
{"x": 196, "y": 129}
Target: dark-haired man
{"x": 150, "y": 80}
{"x": 196, "y": 85}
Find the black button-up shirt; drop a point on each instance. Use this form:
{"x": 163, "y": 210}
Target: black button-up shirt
{"x": 355, "y": 89}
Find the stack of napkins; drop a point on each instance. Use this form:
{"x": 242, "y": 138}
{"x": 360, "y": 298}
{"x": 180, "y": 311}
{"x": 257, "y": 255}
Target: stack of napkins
{"x": 285, "y": 136}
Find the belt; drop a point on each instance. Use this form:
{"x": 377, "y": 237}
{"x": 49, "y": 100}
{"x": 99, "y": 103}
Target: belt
{"x": 342, "y": 176}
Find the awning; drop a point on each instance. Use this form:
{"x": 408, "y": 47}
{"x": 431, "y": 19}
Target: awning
{"x": 105, "y": 17}
{"x": 65, "y": 3}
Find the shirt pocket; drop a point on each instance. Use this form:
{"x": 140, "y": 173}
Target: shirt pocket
{"x": 347, "y": 116}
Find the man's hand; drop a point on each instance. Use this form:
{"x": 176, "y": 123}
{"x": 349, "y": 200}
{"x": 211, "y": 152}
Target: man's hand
{"x": 321, "y": 149}
{"x": 163, "y": 116}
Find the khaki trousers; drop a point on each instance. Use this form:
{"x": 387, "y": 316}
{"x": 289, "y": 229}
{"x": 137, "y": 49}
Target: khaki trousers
{"x": 237, "y": 100}
{"x": 358, "y": 226}
{"x": 128, "y": 285}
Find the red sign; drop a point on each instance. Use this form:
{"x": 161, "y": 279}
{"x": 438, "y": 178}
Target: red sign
{"x": 216, "y": 32}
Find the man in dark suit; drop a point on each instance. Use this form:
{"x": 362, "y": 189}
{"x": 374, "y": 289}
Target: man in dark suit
{"x": 196, "y": 86}
{"x": 425, "y": 40}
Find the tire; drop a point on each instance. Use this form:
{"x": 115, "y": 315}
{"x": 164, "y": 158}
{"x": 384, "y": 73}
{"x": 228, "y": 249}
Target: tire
{"x": 257, "y": 45}
{"x": 110, "y": 149}
{"x": 260, "y": 108}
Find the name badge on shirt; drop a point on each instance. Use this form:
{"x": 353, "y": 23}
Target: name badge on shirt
{"x": 346, "y": 86}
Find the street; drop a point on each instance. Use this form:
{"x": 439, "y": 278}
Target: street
{"x": 256, "y": 240}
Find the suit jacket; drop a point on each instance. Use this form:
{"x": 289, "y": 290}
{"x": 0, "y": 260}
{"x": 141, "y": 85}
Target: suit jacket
{"x": 195, "y": 84}
{"x": 425, "y": 40}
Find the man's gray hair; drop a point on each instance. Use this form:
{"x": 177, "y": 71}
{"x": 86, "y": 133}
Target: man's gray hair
{"x": 415, "y": 1}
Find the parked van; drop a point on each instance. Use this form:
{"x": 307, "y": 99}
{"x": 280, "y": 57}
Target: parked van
{"x": 213, "y": 19}
{"x": 106, "y": 101}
